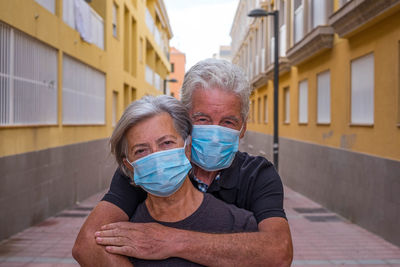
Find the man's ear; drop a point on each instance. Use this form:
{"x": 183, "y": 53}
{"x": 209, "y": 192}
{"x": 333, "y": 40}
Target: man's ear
{"x": 244, "y": 128}
{"x": 188, "y": 148}
{"x": 127, "y": 164}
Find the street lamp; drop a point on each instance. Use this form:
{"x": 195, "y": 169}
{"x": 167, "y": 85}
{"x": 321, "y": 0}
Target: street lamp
{"x": 259, "y": 12}
{"x": 173, "y": 80}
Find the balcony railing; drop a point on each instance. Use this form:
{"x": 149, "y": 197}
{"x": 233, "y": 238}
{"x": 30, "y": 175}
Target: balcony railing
{"x": 158, "y": 37}
{"x": 80, "y": 16}
{"x": 153, "y": 78}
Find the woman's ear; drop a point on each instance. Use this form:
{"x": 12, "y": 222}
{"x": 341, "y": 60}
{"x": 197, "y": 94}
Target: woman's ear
{"x": 188, "y": 148}
{"x": 127, "y": 164}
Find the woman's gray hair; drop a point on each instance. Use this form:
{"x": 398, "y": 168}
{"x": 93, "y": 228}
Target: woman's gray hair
{"x": 216, "y": 73}
{"x": 139, "y": 110}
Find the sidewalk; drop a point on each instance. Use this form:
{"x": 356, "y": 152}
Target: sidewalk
{"x": 320, "y": 238}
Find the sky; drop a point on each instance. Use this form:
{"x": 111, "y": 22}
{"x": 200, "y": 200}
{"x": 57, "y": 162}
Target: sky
{"x": 199, "y": 27}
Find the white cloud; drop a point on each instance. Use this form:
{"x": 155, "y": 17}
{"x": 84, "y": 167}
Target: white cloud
{"x": 200, "y": 27}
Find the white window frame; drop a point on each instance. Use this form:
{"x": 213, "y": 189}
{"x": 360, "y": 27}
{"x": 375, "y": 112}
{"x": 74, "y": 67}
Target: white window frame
{"x": 319, "y": 14}
{"x": 282, "y": 28}
{"x": 303, "y": 102}
{"x": 298, "y": 22}
{"x": 324, "y": 97}
{"x": 362, "y": 90}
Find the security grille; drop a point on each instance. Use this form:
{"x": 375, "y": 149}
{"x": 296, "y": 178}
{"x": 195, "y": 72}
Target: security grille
{"x": 83, "y": 93}
{"x": 28, "y": 80}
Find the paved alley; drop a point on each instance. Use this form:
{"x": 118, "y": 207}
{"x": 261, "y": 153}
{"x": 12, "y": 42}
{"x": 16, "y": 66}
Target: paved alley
{"x": 320, "y": 238}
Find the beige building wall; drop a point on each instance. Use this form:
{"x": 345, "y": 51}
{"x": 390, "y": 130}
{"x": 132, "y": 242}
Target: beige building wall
{"x": 178, "y": 60}
{"x": 50, "y": 165}
{"x": 349, "y": 161}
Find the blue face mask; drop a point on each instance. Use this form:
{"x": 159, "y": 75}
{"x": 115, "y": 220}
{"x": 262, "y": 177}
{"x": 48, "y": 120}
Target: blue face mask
{"x": 161, "y": 173}
{"x": 214, "y": 147}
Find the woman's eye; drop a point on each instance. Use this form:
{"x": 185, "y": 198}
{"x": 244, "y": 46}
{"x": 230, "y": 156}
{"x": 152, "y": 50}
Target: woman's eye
{"x": 168, "y": 143}
{"x": 140, "y": 151}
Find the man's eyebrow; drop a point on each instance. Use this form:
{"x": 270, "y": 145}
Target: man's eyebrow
{"x": 198, "y": 114}
{"x": 234, "y": 118}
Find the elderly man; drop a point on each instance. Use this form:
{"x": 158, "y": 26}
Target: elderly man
{"x": 216, "y": 94}
{"x": 151, "y": 144}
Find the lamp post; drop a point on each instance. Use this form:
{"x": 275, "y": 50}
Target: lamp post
{"x": 259, "y": 12}
{"x": 173, "y": 80}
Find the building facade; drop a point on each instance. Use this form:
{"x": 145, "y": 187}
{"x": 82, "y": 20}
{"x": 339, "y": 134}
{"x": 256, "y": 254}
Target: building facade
{"x": 339, "y": 102}
{"x": 224, "y": 53}
{"x": 178, "y": 64}
{"x": 68, "y": 69}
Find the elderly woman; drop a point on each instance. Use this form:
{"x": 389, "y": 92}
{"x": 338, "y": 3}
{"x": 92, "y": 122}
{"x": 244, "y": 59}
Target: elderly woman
{"x": 151, "y": 143}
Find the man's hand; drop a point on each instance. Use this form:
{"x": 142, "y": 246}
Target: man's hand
{"x": 140, "y": 240}
{"x": 85, "y": 250}
{"x": 271, "y": 246}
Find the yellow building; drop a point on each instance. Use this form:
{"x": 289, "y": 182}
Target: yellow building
{"x": 339, "y": 102}
{"x": 68, "y": 68}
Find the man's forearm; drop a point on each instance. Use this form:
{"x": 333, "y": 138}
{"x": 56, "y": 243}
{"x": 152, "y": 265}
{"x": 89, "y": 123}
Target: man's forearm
{"x": 269, "y": 247}
{"x": 86, "y": 251}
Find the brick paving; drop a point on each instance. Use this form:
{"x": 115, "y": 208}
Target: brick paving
{"x": 320, "y": 238}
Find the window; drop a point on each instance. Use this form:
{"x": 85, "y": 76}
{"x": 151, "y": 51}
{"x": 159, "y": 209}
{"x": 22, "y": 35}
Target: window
{"x": 141, "y": 49}
{"x": 50, "y": 5}
{"x": 398, "y": 89}
{"x": 286, "y": 106}
{"x": 28, "y": 80}
{"x": 114, "y": 108}
{"x": 83, "y": 93}
{"x": 319, "y": 12}
{"x": 259, "y": 110}
{"x": 172, "y": 67}
{"x": 298, "y": 20}
{"x": 324, "y": 97}
{"x": 282, "y": 28}
{"x": 303, "y": 102}
{"x": 252, "y": 111}
{"x": 272, "y": 41}
{"x": 362, "y": 90}
{"x": 126, "y": 39}
{"x": 127, "y": 99}
{"x": 265, "y": 109}
{"x": 115, "y": 20}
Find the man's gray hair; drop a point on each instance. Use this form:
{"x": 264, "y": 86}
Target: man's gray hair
{"x": 212, "y": 74}
{"x": 140, "y": 110}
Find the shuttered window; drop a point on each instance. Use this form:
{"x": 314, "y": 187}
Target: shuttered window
{"x": 28, "y": 80}
{"x": 83, "y": 93}
{"x": 324, "y": 97}
{"x": 362, "y": 90}
{"x": 303, "y": 102}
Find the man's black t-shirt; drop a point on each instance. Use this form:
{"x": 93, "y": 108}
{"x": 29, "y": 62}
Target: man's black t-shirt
{"x": 250, "y": 183}
{"x": 213, "y": 216}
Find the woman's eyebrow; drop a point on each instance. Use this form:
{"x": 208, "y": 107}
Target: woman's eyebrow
{"x": 159, "y": 140}
{"x": 141, "y": 145}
